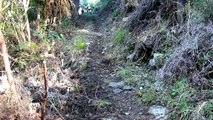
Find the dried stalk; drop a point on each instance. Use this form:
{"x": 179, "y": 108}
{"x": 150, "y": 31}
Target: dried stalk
{"x": 44, "y": 106}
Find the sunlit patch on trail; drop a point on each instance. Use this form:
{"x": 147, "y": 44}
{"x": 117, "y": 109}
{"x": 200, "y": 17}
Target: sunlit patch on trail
{"x": 89, "y": 32}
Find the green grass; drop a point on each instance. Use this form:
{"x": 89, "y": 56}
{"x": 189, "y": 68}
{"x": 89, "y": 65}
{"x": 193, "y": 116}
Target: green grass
{"x": 148, "y": 95}
{"x": 179, "y": 99}
{"x": 120, "y": 36}
{"x": 131, "y": 75}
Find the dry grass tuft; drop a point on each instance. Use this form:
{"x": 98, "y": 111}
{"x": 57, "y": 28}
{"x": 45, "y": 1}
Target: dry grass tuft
{"x": 17, "y": 106}
{"x": 192, "y": 58}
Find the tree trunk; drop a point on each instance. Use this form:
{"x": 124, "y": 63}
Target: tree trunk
{"x": 7, "y": 64}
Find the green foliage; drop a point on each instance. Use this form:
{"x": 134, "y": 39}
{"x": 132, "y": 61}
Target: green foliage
{"x": 178, "y": 88}
{"x": 123, "y": 73}
{"x": 120, "y": 36}
{"x": 27, "y": 52}
{"x": 178, "y": 98}
{"x": 116, "y": 13}
{"x": 148, "y": 95}
{"x": 103, "y": 103}
{"x": 34, "y": 6}
{"x": 15, "y": 25}
{"x": 80, "y": 44}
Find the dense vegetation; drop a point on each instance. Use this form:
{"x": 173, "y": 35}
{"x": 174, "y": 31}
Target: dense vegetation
{"x": 81, "y": 59}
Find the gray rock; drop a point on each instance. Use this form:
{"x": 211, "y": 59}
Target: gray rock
{"x": 159, "y": 112}
{"x": 117, "y": 84}
{"x": 157, "y": 60}
{"x": 125, "y": 19}
{"x": 35, "y": 106}
{"x": 32, "y": 82}
{"x": 109, "y": 118}
{"x": 127, "y": 113}
{"x": 158, "y": 86}
{"x": 4, "y": 85}
{"x": 117, "y": 91}
{"x": 127, "y": 88}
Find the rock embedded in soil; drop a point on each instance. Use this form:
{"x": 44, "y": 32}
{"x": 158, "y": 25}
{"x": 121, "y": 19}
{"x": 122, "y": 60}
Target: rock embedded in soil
{"x": 31, "y": 82}
{"x": 159, "y": 112}
{"x": 109, "y": 118}
{"x": 127, "y": 88}
{"x": 117, "y": 84}
{"x": 125, "y": 19}
{"x": 157, "y": 60}
{"x": 117, "y": 91}
{"x": 158, "y": 86}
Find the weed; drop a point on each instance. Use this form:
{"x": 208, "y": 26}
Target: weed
{"x": 130, "y": 75}
{"x": 123, "y": 73}
{"x": 178, "y": 89}
{"x": 120, "y": 36}
{"x": 148, "y": 95}
{"x": 103, "y": 103}
{"x": 179, "y": 99}
{"x": 133, "y": 80}
{"x": 116, "y": 13}
{"x": 80, "y": 44}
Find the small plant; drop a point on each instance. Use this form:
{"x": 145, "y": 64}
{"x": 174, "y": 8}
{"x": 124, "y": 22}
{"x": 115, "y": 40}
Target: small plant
{"x": 124, "y": 73}
{"x": 130, "y": 75}
{"x": 104, "y": 103}
{"x": 133, "y": 80}
{"x": 178, "y": 88}
{"x": 147, "y": 95}
{"x": 80, "y": 44}
{"x": 120, "y": 36}
{"x": 116, "y": 13}
{"x": 179, "y": 99}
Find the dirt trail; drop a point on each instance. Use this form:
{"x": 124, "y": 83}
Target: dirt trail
{"x": 97, "y": 101}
